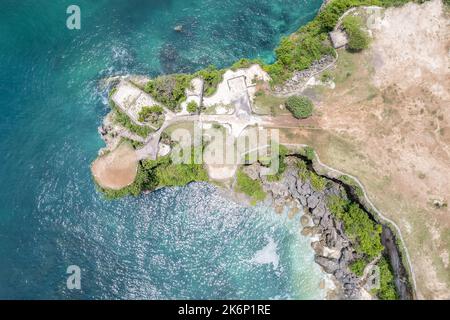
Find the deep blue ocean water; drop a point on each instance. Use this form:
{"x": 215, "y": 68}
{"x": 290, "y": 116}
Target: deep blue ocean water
{"x": 175, "y": 243}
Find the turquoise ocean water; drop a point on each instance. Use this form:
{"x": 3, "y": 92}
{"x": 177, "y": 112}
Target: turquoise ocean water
{"x": 175, "y": 243}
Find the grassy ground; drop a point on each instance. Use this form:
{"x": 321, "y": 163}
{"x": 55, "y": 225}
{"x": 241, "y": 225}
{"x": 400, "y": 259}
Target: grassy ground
{"x": 266, "y": 104}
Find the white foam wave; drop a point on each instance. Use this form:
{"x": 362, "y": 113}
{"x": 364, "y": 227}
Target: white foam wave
{"x": 267, "y": 255}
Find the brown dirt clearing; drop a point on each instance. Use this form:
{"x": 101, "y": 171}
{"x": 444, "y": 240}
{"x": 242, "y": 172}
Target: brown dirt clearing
{"x": 117, "y": 169}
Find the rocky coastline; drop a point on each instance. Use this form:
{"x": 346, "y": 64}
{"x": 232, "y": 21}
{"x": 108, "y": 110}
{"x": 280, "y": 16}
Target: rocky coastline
{"x": 334, "y": 251}
{"x": 300, "y": 78}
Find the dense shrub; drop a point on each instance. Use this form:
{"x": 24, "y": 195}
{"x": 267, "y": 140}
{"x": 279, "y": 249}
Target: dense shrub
{"x": 282, "y": 153}
{"x": 299, "y": 106}
{"x": 123, "y": 119}
{"x": 387, "y": 287}
{"x": 250, "y": 187}
{"x": 317, "y": 182}
{"x": 212, "y": 77}
{"x": 170, "y": 90}
{"x": 358, "y": 226}
{"x": 358, "y": 266}
{"x": 357, "y": 37}
{"x": 153, "y": 114}
{"x": 192, "y": 107}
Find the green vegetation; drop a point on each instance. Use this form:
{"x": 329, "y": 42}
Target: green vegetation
{"x": 387, "y": 287}
{"x": 326, "y": 76}
{"x": 300, "y": 106}
{"x": 134, "y": 143}
{"x": 357, "y": 37}
{"x": 308, "y": 152}
{"x": 282, "y": 153}
{"x": 111, "y": 93}
{"x": 298, "y": 52}
{"x": 250, "y": 187}
{"x": 192, "y": 107}
{"x": 268, "y": 104}
{"x": 358, "y": 226}
{"x": 303, "y": 171}
{"x": 166, "y": 173}
{"x": 122, "y": 119}
{"x": 170, "y": 90}
{"x": 317, "y": 182}
{"x": 212, "y": 77}
{"x": 352, "y": 183}
{"x": 245, "y": 63}
{"x": 358, "y": 266}
{"x": 159, "y": 173}
{"x": 153, "y": 114}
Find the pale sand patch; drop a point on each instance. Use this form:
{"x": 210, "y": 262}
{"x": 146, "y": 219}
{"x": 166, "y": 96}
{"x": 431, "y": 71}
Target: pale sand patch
{"x": 445, "y": 258}
{"x": 117, "y": 169}
{"x": 215, "y": 159}
{"x": 235, "y": 84}
{"x": 163, "y": 150}
{"x": 432, "y": 284}
{"x": 221, "y": 172}
{"x": 411, "y": 38}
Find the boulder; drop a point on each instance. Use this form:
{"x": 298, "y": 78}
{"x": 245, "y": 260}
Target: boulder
{"x": 317, "y": 247}
{"x": 253, "y": 170}
{"x": 304, "y": 188}
{"x": 319, "y": 210}
{"x": 347, "y": 255}
{"x": 290, "y": 181}
{"x": 316, "y": 220}
{"x": 328, "y": 265}
{"x": 339, "y": 274}
{"x": 303, "y": 200}
{"x": 331, "y": 253}
{"x": 313, "y": 201}
{"x": 326, "y": 221}
{"x": 306, "y": 220}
